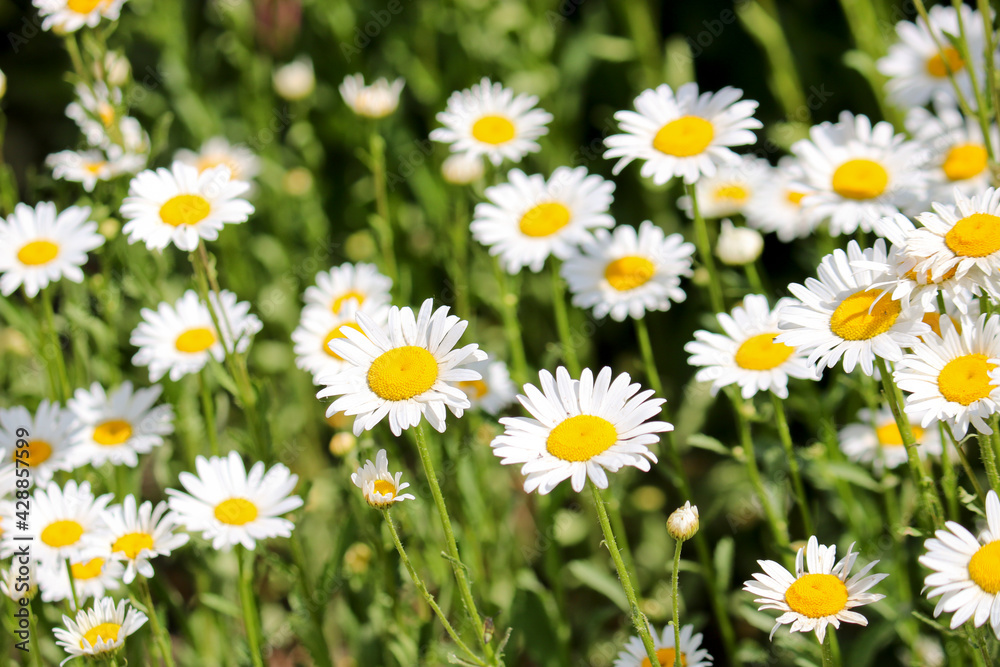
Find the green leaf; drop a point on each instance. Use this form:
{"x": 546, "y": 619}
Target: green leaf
{"x": 589, "y": 574}
{"x": 707, "y": 442}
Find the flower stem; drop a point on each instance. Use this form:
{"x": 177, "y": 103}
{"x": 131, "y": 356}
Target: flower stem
{"x": 828, "y": 659}
{"x": 988, "y": 455}
{"x": 793, "y": 462}
{"x": 646, "y": 348}
{"x": 426, "y": 594}
{"x": 162, "y": 638}
{"x": 208, "y": 406}
{"x": 675, "y": 594}
{"x": 383, "y": 226}
{"x": 562, "y": 322}
{"x": 638, "y": 618}
{"x": 313, "y": 606}
{"x": 456, "y": 561}
{"x": 705, "y": 252}
{"x": 72, "y": 585}
{"x": 249, "y": 603}
{"x": 508, "y": 311}
{"x": 964, "y": 460}
{"x": 63, "y": 391}
{"x": 36, "y": 653}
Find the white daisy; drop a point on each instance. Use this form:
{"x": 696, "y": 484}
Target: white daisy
{"x": 375, "y": 101}
{"x": 181, "y": 206}
{"x": 917, "y": 69}
{"x": 37, "y": 246}
{"x": 379, "y": 486}
{"x": 746, "y": 353}
{"x": 875, "y": 439}
{"x": 958, "y": 154}
{"x": 96, "y": 111}
{"x": 579, "y": 429}
{"x": 488, "y": 120}
{"x": 528, "y": 218}
{"x": 179, "y": 339}
{"x": 626, "y": 272}
{"x": 855, "y": 173}
{"x": 729, "y": 190}
{"x": 403, "y": 370}
{"x": 100, "y": 630}
{"x": 335, "y": 288}
{"x": 683, "y": 134}
{"x": 138, "y": 535}
{"x": 966, "y": 570}
{"x": 64, "y": 524}
{"x": 633, "y": 654}
{"x": 50, "y": 439}
{"x": 118, "y": 427}
{"x": 229, "y": 505}
{"x": 65, "y": 16}
{"x": 822, "y": 597}
{"x": 84, "y": 167}
{"x": 92, "y": 578}
{"x": 318, "y": 326}
{"x": 242, "y": 162}
{"x": 494, "y": 391}
{"x": 951, "y": 378}
{"x": 776, "y": 204}
{"x": 842, "y": 316}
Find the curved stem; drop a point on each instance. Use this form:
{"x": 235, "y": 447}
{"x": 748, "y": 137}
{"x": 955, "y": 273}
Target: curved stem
{"x": 249, "y": 603}
{"x": 63, "y": 391}
{"x": 705, "y": 252}
{"x": 508, "y": 311}
{"x": 675, "y": 594}
{"x": 646, "y": 348}
{"x": 72, "y": 586}
{"x": 384, "y": 225}
{"x": 793, "y": 462}
{"x": 208, "y": 406}
{"x": 828, "y": 659}
{"x": 562, "y": 322}
{"x": 161, "y": 637}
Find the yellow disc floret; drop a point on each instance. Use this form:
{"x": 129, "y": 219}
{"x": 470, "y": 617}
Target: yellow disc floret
{"x": 817, "y": 595}
{"x": 684, "y": 137}
{"x": 402, "y": 373}
{"x": 629, "y": 272}
{"x": 860, "y": 317}
{"x": 966, "y": 379}
{"x": 581, "y": 438}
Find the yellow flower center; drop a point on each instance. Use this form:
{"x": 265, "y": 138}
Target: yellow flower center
{"x": 107, "y": 114}
{"x": 336, "y": 333}
{"x": 966, "y": 379}
{"x": 351, "y": 294}
{"x": 544, "y": 219}
{"x": 211, "y": 161}
{"x": 402, "y": 373}
{"x": 94, "y": 167}
{"x": 795, "y": 197}
{"x": 39, "y": 452}
{"x": 83, "y": 6}
{"x": 474, "y": 388}
{"x": 89, "y": 570}
{"x": 684, "y": 137}
{"x": 889, "y": 436}
{"x": 732, "y": 192}
{"x": 817, "y": 595}
{"x": 133, "y": 543}
{"x": 666, "y": 658}
{"x": 236, "y": 511}
{"x": 581, "y": 438}
{"x": 195, "y": 340}
{"x": 385, "y": 487}
{"x": 761, "y": 353}
{"x": 493, "y": 130}
{"x": 107, "y": 632}
{"x": 629, "y": 272}
{"x": 936, "y": 64}
{"x": 185, "y": 210}
{"x": 976, "y": 235}
{"x": 856, "y": 318}
{"x": 36, "y": 253}
{"x": 964, "y": 161}
{"x": 933, "y": 319}
{"x": 113, "y": 432}
{"x": 984, "y": 567}
{"x": 860, "y": 179}
{"x": 62, "y": 533}
{"x": 928, "y": 276}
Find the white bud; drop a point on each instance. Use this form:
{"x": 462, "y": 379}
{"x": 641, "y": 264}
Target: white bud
{"x": 296, "y": 80}
{"x": 738, "y": 245}
{"x": 462, "y": 168}
{"x": 682, "y": 524}
{"x": 114, "y": 70}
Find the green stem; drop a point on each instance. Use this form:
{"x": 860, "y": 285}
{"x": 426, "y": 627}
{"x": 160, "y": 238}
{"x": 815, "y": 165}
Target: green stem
{"x": 384, "y": 227}
{"x": 828, "y": 659}
{"x": 988, "y": 455}
{"x": 315, "y": 607}
{"x": 991, "y": 74}
{"x": 562, "y": 322}
{"x": 208, "y": 406}
{"x": 72, "y": 585}
{"x": 249, "y": 603}
{"x": 36, "y": 652}
{"x": 456, "y": 561}
{"x": 793, "y": 462}
{"x": 426, "y": 594}
{"x": 949, "y": 478}
{"x": 162, "y": 638}
{"x": 675, "y": 594}
{"x": 638, "y": 618}
{"x": 753, "y": 277}
{"x": 705, "y": 252}
{"x": 76, "y": 58}
{"x": 512, "y": 329}
{"x": 967, "y": 466}
{"x": 646, "y": 348}
{"x": 982, "y": 108}
{"x": 63, "y": 391}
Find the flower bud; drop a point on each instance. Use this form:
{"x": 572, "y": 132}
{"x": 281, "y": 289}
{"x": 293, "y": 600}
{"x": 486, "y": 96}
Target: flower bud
{"x": 296, "y": 80}
{"x": 682, "y": 524}
{"x": 462, "y": 168}
{"x": 738, "y": 245}
{"x": 342, "y": 443}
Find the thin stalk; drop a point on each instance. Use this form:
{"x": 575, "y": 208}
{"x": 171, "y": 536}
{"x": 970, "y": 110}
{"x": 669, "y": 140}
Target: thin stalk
{"x": 967, "y": 466}
{"x": 315, "y": 607}
{"x": 162, "y": 638}
{"x": 384, "y": 228}
{"x": 72, "y": 585}
{"x": 989, "y": 457}
{"x": 63, "y": 391}
{"x": 36, "y": 652}
{"x": 982, "y": 107}
{"x": 249, "y": 603}
{"x": 562, "y": 322}
{"x": 828, "y": 659}
{"x": 426, "y": 594}
{"x": 949, "y": 478}
{"x": 753, "y": 277}
{"x": 456, "y": 561}
{"x": 208, "y": 406}
{"x": 511, "y": 327}
{"x": 638, "y": 618}
{"x": 991, "y": 74}
{"x": 646, "y": 348}
{"x": 705, "y": 252}
{"x": 675, "y": 594}
{"x": 793, "y": 462}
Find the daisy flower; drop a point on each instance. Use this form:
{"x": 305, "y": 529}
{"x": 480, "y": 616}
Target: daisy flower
{"x": 729, "y": 190}
{"x": 96, "y": 111}
{"x": 179, "y": 339}
{"x": 182, "y": 206}
{"x": 875, "y": 439}
{"x": 951, "y": 378}
{"x": 83, "y": 167}
{"x": 229, "y": 505}
{"x": 842, "y": 316}
{"x": 92, "y": 578}
{"x": 821, "y": 597}
{"x": 966, "y": 574}
{"x": 138, "y": 535}
{"x": 958, "y": 153}
{"x": 404, "y": 370}
{"x": 119, "y": 427}
{"x": 50, "y": 440}
{"x": 98, "y": 631}
{"x": 318, "y": 326}
{"x": 487, "y": 120}
{"x": 64, "y": 523}
{"x": 375, "y": 101}
{"x": 776, "y": 204}
{"x": 918, "y": 70}
{"x": 242, "y": 162}
{"x": 746, "y": 353}
{"x": 39, "y": 246}
{"x": 528, "y": 218}
{"x": 856, "y": 172}
{"x": 683, "y": 134}
{"x": 579, "y": 429}
{"x": 17, "y": 584}
{"x": 494, "y": 391}
{"x": 363, "y": 283}
{"x": 626, "y": 272}
{"x": 633, "y": 654}
{"x": 65, "y": 16}
{"x": 380, "y": 487}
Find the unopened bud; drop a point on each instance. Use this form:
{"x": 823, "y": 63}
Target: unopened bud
{"x": 342, "y": 443}
{"x": 738, "y": 245}
{"x": 682, "y": 524}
